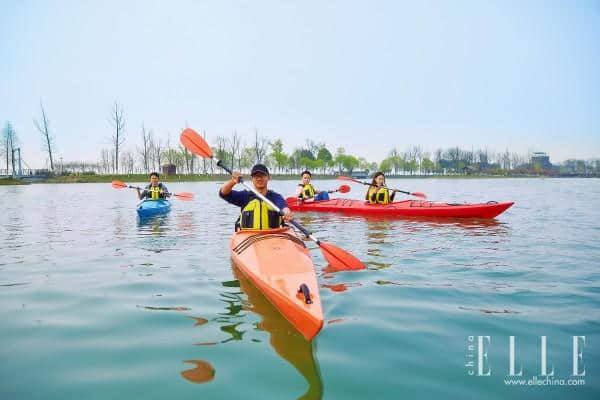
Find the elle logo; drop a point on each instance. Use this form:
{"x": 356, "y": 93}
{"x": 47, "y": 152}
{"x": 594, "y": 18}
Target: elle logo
{"x": 478, "y": 351}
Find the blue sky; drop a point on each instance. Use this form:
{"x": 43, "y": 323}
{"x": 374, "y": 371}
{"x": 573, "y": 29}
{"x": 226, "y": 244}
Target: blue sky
{"x": 367, "y": 76}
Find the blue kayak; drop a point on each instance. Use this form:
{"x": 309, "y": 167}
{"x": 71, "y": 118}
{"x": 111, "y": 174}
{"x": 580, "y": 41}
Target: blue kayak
{"x": 150, "y": 208}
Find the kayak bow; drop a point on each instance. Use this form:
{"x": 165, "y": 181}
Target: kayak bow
{"x": 279, "y": 265}
{"x": 150, "y": 208}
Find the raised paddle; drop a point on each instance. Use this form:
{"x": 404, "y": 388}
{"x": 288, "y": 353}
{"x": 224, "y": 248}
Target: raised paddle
{"x": 416, "y": 194}
{"x": 338, "y": 258}
{"x": 186, "y": 196}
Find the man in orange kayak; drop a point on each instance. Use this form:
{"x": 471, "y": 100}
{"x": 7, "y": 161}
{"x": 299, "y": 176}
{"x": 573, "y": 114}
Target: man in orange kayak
{"x": 155, "y": 190}
{"x": 255, "y": 214}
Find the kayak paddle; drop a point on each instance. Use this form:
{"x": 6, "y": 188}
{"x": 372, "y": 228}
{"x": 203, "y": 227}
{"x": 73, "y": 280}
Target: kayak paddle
{"x": 337, "y": 258}
{"x": 416, "y": 194}
{"x": 181, "y": 196}
{"x": 341, "y": 189}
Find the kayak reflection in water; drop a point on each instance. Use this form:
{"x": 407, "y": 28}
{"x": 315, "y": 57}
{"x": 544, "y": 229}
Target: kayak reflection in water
{"x": 306, "y": 192}
{"x": 256, "y": 214}
{"x": 155, "y": 190}
{"x": 378, "y": 193}
{"x": 284, "y": 338}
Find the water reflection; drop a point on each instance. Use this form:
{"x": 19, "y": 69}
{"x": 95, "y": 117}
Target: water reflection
{"x": 287, "y": 342}
{"x": 378, "y": 232}
{"x": 152, "y": 225}
{"x": 285, "y": 339}
{"x": 436, "y": 221}
{"x": 201, "y": 373}
{"x": 185, "y": 223}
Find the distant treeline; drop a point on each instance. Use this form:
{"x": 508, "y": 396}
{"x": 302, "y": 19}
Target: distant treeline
{"x": 318, "y": 159}
{"x": 157, "y": 154}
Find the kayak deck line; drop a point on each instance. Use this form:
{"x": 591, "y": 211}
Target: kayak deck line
{"x": 249, "y": 241}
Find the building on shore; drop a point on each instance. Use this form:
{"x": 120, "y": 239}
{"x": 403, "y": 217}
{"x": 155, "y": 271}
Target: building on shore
{"x": 540, "y": 160}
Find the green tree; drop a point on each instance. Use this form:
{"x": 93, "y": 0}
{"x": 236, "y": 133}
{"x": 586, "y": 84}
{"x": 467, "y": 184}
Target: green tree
{"x": 410, "y": 166}
{"x": 386, "y": 165}
{"x": 306, "y": 153}
{"x": 324, "y": 155}
{"x": 279, "y": 157}
{"x": 317, "y": 165}
{"x": 294, "y": 159}
{"x": 427, "y": 166}
{"x": 306, "y": 163}
{"x": 247, "y": 158}
{"x": 398, "y": 163}
{"x": 350, "y": 163}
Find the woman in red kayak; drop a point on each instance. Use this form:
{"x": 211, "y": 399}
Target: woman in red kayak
{"x": 255, "y": 214}
{"x": 378, "y": 193}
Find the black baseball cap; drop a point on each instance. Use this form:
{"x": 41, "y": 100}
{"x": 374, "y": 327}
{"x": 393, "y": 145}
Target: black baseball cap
{"x": 259, "y": 169}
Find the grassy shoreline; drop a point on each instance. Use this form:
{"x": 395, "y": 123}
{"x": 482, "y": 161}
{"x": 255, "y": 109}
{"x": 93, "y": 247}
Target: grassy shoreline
{"x": 11, "y": 181}
{"x": 223, "y": 177}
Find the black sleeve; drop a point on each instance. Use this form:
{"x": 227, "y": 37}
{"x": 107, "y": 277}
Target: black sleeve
{"x": 145, "y": 192}
{"x": 392, "y": 196}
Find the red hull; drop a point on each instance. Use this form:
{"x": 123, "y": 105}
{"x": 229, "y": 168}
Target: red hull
{"x": 407, "y": 208}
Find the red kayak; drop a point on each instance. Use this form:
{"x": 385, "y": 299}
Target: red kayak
{"x": 406, "y": 208}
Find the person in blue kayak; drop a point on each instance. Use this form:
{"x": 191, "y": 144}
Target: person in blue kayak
{"x": 255, "y": 214}
{"x": 155, "y": 190}
{"x": 306, "y": 192}
{"x": 378, "y": 193}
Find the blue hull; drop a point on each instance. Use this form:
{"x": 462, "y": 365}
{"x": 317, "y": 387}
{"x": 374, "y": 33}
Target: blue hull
{"x": 150, "y": 208}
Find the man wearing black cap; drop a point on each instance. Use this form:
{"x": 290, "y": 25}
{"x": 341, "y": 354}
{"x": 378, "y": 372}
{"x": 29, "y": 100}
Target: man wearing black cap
{"x": 256, "y": 214}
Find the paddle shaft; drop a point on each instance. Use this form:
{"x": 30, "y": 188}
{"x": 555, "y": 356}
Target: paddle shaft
{"x": 139, "y": 188}
{"x": 270, "y": 203}
{"x": 370, "y": 184}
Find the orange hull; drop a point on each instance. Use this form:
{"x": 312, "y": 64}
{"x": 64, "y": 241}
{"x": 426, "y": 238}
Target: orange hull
{"x": 278, "y": 263}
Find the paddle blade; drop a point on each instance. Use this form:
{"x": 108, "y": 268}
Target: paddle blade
{"x": 339, "y": 259}
{"x": 186, "y": 196}
{"x": 419, "y": 194}
{"x": 119, "y": 185}
{"x": 344, "y": 189}
{"x": 195, "y": 143}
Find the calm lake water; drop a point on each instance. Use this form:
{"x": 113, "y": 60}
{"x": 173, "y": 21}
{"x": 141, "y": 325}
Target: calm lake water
{"x": 95, "y": 304}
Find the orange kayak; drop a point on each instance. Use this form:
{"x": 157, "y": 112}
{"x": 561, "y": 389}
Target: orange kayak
{"x": 278, "y": 263}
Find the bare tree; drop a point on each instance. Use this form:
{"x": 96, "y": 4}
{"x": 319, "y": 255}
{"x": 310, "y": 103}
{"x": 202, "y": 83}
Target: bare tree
{"x": 220, "y": 147}
{"x": 260, "y": 146}
{"x": 158, "y": 152}
{"x": 505, "y": 160}
{"x": 105, "y": 161}
{"x": 234, "y": 147}
{"x": 118, "y": 121}
{"x": 44, "y": 129}
{"x": 188, "y": 158}
{"x": 127, "y": 161}
{"x": 144, "y": 151}
{"x": 204, "y": 159}
{"x": 9, "y": 141}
